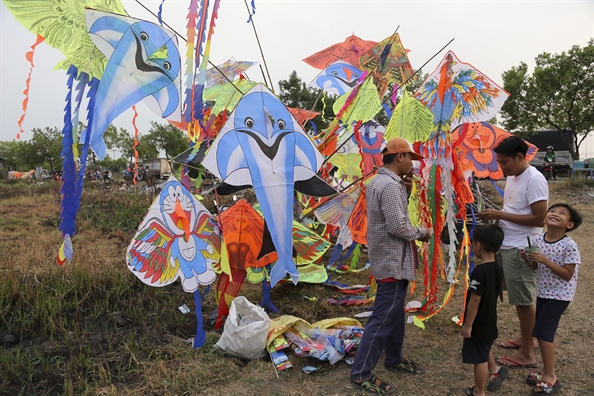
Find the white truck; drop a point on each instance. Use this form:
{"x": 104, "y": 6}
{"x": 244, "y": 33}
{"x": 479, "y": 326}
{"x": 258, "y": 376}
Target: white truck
{"x": 157, "y": 167}
{"x": 543, "y": 139}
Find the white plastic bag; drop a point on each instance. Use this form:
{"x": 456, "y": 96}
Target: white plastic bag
{"x": 245, "y": 331}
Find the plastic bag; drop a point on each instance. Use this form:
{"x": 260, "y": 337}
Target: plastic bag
{"x": 245, "y": 331}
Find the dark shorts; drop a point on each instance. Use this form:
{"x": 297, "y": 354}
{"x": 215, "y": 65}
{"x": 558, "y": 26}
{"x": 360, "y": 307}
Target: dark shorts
{"x": 474, "y": 352}
{"x": 548, "y": 314}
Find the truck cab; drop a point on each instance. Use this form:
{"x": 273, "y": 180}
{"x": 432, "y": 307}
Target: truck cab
{"x": 543, "y": 139}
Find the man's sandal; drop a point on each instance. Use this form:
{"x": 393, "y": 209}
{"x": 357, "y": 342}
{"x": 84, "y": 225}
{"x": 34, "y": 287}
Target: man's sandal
{"x": 407, "y": 366}
{"x": 371, "y": 386}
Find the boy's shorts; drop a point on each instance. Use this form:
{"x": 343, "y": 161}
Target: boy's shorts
{"x": 474, "y": 352}
{"x": 548, "y": 314}
{"x": 519, "y": 278}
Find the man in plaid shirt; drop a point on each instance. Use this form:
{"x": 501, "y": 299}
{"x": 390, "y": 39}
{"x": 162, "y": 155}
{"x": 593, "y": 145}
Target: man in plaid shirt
{"x": 390, "y": 241}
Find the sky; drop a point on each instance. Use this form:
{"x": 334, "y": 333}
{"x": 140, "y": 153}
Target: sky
{"x": 493, "y": 36}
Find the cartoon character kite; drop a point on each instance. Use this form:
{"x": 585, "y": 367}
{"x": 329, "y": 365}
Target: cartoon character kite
{"x": 178, "y": 238}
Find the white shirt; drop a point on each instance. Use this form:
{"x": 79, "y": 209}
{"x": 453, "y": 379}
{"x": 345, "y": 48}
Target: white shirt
{"x": 562, "y": 252}
{"x": 521, "y": 192}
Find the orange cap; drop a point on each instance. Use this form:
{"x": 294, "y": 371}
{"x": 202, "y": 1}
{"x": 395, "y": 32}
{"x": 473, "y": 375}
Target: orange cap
{"x": 398, "y": 146}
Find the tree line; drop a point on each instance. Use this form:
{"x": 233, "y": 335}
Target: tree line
{"x": 45, "y": 148}
{"x": 558, "y": 95}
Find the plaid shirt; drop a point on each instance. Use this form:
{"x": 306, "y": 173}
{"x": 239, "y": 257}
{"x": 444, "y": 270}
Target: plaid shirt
{"x": 389, "y": 232}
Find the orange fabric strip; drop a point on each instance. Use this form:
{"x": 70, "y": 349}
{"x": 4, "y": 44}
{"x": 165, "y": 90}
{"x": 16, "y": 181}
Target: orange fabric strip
{"x": 29, "y": 57}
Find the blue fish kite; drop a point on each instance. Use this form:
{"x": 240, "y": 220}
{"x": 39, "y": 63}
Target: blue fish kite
{"x": 144, "y": 64}
{"x": 338, "y": 78}
{"x": 262, "y": 146}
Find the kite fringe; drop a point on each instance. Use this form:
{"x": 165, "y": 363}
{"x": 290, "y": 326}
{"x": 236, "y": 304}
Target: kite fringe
{"x": 134, "y": 180}
{"x": 29, "y": 56}
{"x": 68, "y": 188}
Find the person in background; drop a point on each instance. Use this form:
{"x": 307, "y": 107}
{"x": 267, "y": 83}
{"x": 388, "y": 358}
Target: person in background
{"x": 390, "y": 237}
{"x": 552, "y": 158}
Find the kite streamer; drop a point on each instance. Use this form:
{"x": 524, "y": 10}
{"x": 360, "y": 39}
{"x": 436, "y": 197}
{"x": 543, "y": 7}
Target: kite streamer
{"x": 201, "y": 25}
{"x": 204, "y": 63}
{"x": 135, "y": 143}
{"x": 159, "y": 14}
{"x": 68, "y": 189}
{"x": 253, "y": 12}
{"x": 83, "y": 80}
{"x": 189, "y": 66}
{"x": 29, "y": 56}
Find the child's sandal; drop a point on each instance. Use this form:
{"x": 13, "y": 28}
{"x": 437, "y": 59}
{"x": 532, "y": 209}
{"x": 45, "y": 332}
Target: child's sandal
{"x": 496, "y": 379}
{"x": 533, "y": 378}
{"x": 546, "y": 388}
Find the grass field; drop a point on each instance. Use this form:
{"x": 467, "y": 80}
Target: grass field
{"x": 93, "y": 328}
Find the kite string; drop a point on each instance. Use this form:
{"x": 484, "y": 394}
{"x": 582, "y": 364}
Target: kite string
{"x": 422, "y": 66}
{"x": 259, "y": 45}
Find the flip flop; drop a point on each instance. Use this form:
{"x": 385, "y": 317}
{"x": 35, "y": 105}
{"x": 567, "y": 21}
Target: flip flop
{"x": 496, "y": 379}
{"x": 509, "y": 344}
{"x": 546, "y": 388}
{"x": 533, "y": 378}
{"x": 509, "y": 362}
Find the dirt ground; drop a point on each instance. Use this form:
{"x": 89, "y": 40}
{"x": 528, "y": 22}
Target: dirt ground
{"x": 171, "y": 367}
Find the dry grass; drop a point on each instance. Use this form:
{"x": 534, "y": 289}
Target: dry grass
{"x": 93, "y": 328}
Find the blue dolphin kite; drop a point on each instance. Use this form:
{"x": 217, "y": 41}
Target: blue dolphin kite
{"x": 143, "y": 63}
{"x": 338, "y": 78}
{"x": 262, "y": 146}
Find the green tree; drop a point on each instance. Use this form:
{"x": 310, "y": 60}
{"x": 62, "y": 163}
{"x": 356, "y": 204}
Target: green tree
{"x": 146, "y": 148}
{"x": 167, "y": 138}
{"x": 558, "y": 95}
{"x": 48, "y": 144}
{"x": 415, "y": 83}
{"x": 21, "y": 155}
{"x": 114, "y": 165}
{"x": 11, "y": 152}
{"x": 295, "y": 93}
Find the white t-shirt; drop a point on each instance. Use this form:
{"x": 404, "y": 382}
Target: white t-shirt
{"x": 562, "y": 252}
{"x": 521, "y": 192}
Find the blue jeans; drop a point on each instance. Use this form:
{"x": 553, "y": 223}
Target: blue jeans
{"x": 384, "y": 330}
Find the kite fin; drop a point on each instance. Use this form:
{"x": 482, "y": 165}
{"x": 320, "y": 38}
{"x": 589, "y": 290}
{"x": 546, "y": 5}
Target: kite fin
{"x": 227, "y": 189}
{"x": 315, "y": 187}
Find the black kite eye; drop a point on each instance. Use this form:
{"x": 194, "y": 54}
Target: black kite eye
{"x": 281, "y": 124}
{"x": 167, "y": 65}
{"x": 249, "y": 122}
{"x": 356, "y": 75}
{"x": 335, "y": 73}
{"x": 143, "y": 36}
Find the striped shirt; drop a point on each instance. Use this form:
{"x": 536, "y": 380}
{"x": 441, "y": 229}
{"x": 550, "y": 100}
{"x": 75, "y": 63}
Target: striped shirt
{"x": 389, "y": 232}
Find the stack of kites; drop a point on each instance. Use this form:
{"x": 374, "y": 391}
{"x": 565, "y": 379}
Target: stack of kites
{"x": 241, "y": 133}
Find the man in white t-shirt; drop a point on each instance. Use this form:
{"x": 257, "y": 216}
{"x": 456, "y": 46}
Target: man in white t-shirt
{"x": 525, "y": 204}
